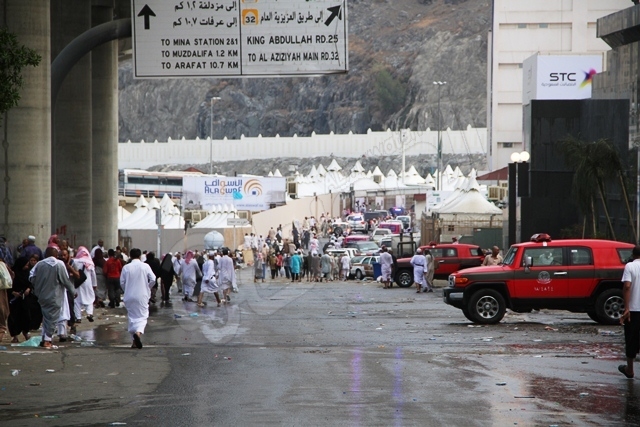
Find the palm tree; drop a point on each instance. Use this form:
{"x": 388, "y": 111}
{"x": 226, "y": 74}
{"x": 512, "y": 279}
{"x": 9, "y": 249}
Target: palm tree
{"x": 594, "y": 163}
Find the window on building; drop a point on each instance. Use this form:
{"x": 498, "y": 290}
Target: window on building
{"x": 543, "y": 25}
{"x": 451, "y": 228}
{"x": 522, "y": 25}
{"x": 507, "y": 144}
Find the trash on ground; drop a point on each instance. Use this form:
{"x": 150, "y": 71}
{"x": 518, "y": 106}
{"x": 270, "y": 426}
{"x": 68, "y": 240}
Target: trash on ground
{"x": 524, "y": 397}
{"x": 177, "y": 316}
{"x": 50, "y": 370}
{"x": 609, "y": 333}
{"x": 501, "y": 384}
{"x": 2, "y": 348}
{"x": 34, "y": 384}
{"x": 15, "y": 372}
{"x": 584, "y": 394}
{"x": 87, "y": 344}
{"x": 31, "y": 342}
{"x": 549, "y": 328}
{"x": 193, "y": 315}
{"x": 186, "y": 354}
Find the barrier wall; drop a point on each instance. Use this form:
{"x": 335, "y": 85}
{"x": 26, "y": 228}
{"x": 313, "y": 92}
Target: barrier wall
{"x": 142, "y": 155}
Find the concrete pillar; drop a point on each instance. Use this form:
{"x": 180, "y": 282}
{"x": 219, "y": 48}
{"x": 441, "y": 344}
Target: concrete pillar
{"x": 104, "y": 95}
{"x": 71, "y": 125}
{"x": 25, "y": 131}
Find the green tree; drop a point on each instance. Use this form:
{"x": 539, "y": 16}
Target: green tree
{"x": 13, "y": 58}
{"x": 391, "y": 92}
{"x": 594, "y": 164}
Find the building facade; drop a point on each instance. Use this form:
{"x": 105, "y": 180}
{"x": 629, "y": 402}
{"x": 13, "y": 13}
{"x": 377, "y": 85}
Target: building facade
{"x": 520, "y": 29}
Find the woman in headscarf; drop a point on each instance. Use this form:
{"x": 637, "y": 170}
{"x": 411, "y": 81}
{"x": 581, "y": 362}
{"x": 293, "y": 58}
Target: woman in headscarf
{"x": 258, "y": 267}
{"x": 167, "y": 274}
{"x": 189, "y": 271}
{"x": 86, "y": 291}
{"x": 101, "y": 280}
{"x": 25, "y": 312}
{"x": 154, "y": 263}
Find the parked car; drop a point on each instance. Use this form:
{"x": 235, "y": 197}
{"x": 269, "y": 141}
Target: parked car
{"x": 406, "y": 222}
{"x": 357, "y": 222}
{"x": 448, "y": 258}
{"x": 378, "y": 216}
{"x": 380, "y": 233}
{"x": 581, "y": 275}
{"x": 364, "y": 247}
{"x": 394, "y": 226}
{"x": 355, "y": 238}
{"x": 351, "y": 252}
{"x": 362, "y": 266}
{"x": 339, "y": 228}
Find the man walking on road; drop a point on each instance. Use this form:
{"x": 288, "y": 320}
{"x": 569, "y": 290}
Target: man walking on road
{"x": 136, "y": 280}
{"x": 386, "y": 264}
{"x": 630, "y": 319}
{"x": 50, "y": 282}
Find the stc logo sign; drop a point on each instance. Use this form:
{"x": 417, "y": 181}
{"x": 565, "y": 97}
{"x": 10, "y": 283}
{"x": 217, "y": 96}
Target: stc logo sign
{"x": 562, "y": 77}
{"x": 559, "y": 76}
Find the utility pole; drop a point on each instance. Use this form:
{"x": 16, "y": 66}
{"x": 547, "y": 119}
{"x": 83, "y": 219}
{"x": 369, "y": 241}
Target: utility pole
{"x": 439, "y": 84}
{"x": 214, "y": 98}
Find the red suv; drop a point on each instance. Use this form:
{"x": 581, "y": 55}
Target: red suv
{"x": 448, "y": 258}
{"x": 577, "y": 275}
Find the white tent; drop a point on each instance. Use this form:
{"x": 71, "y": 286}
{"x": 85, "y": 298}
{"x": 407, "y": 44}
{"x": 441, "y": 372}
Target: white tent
{"x": 217, "y": 217}
{"x": 470, "y": 205}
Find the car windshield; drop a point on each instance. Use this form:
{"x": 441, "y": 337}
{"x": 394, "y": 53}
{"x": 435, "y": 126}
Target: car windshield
{"x": 510, "y": 256}
{"x": 357, "y": 259}
{"x": 367, "y": 246}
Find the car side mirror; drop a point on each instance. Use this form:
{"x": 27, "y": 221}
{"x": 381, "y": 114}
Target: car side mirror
{"x": 528, "y": 262}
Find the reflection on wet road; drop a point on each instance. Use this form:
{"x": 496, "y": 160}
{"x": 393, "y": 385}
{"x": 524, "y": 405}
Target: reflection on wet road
{"x": 352, "y": 353}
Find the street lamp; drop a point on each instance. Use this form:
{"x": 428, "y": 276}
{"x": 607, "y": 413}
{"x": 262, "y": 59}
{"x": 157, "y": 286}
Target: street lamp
{"x": 439, "y": 84}
{"x": 213, "y": 98}
{"x": 518, "y": 187}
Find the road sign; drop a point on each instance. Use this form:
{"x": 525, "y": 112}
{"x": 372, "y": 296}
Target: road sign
{"x": 238, "y": 38}
{"x": 237, "y": 222}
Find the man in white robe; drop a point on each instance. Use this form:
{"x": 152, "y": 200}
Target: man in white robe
{"x": 227, "y": 275}
{"x": 386, "y": 267}
{"x": 50, "y": 283}
{"x": 209, "y": 282}
{"x": 136, "y": 280}
{"x": 419, "y": 263}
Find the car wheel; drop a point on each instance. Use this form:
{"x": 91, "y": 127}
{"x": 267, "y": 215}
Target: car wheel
{"x": 359, "y": 275}
{"x": 609, "y": 307}
{"x": 593, "y": 316}
{"x": 487, "y": 307}
{"x": 404, "y": 279}
{"x": 337, "y": 231}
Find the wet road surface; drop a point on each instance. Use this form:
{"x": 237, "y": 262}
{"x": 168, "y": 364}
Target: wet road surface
{"x": 343, "y": 353}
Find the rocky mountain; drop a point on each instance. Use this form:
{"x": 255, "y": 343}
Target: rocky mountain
{"x": 397, "y": 48}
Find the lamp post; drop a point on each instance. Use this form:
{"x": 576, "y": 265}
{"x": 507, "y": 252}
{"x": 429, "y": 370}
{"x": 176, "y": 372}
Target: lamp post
{"x": 518, "y": 186}
{"x": 439, "y": 84}
{"x": 213, "y": 98}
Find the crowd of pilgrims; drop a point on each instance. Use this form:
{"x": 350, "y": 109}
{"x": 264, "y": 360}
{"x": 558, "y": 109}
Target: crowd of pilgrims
{"x": 96, "y": 275}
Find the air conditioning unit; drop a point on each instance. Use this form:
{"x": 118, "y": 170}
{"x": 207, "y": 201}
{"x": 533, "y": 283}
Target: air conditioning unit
{"x": 377, "y": 179}
{"x": 243, "y": 214}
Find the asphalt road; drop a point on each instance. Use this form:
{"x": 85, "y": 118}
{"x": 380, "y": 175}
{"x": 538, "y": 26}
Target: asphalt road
{"x": 338, "y": 353}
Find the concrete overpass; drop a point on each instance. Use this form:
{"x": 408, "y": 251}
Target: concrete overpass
{"x": 60, "y": 172}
